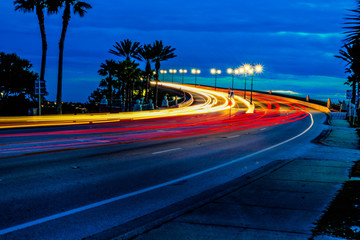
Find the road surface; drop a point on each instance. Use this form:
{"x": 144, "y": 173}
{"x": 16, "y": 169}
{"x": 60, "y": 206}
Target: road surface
{"x": 70, "y": 182}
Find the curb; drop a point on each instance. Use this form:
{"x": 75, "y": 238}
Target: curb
{"x": 323, "y": 135}
{"x": 143, "y": 224}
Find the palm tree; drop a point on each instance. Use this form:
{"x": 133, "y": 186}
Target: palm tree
{"x": 127, "y": 73}
{"x": 353, "y": 25}
{"x": 79, "y": 7}
{"x": 352, "y": 80}
{"x": 351, "y": 55}
{"x": 161, "y": 53}
{"x": 38, "y": 6}
{"x": 108, "y": 70}
{"x": 147, "y": 54}
{"x": 127, "y": 49}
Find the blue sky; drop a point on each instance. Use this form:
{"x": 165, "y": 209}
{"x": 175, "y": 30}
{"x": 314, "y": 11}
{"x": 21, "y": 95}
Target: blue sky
{"x": 295, "y": 41}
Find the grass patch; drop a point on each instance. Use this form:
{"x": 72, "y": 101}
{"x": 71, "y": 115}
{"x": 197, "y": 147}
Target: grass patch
{"x": 342, "y": 217}
{"x": 355, "y": 170}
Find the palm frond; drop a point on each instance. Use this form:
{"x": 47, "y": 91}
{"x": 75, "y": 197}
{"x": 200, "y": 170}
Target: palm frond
{"x": 53, "y": 6}
{"x": 25, "y": 5}
{"x": 127, "y": 49}
{"x": 81, "y": 7}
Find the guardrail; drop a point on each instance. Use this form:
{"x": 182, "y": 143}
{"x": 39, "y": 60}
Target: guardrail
{"x": 187, "y": 102}
{"x": 315, "y": 104}
{"x": 308, "y": 104}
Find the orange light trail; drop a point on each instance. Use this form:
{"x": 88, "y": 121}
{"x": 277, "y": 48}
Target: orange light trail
{"x": 165, "y": 127}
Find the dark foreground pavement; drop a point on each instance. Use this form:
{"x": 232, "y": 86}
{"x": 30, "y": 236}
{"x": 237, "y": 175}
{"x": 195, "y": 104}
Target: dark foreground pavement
{"x": 283, "y": 203}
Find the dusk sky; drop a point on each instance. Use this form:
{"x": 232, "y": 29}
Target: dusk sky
{"x": 295, "y": 41}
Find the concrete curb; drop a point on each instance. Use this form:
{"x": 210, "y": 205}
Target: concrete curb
{"x": 311, "y": 105}
{"x": 146, "y": 223}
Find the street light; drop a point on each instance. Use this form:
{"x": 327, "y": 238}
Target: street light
{"x": 163, "y": 72}
{"x": 245, "y": 70}
{"x": 172, "y": 71}
{"x": 195, "y": 72}
{"x": 254, "y": 69}
{"x": 233, "y": 72}
{"x": 182, "y": 71}
{"x": 215, "y": 72}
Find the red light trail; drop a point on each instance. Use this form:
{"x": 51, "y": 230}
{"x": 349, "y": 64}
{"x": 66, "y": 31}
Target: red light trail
{"x": 268, "y": 113}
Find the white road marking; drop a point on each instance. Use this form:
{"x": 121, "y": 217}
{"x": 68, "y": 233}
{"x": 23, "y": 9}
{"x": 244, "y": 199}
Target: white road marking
{"x": 165, "y": 151}
{"x": 262, "y": 129}
{"x": 235, "y": 136}
{"x": 111, "y": 200}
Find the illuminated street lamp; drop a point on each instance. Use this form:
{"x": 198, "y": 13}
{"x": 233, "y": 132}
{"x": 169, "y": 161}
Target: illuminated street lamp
{"x": 182, "y": 71}
{"x": 195, "y": 72}
{"x": 215, "y": 72}
{"x": 254, "y": 69}
{"x": 163, "y": 72}
{"x": 233, "y": 72}
{"x": 172, "y": 71}
{"x": 245, "y": 70}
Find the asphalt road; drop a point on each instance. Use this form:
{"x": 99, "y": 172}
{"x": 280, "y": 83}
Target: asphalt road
{"x": 122, "y": 171}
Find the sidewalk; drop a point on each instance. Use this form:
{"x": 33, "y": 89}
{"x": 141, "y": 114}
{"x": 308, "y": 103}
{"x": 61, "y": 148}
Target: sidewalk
{"x": 282, "y": 204}
{"x": 341, "y": 134}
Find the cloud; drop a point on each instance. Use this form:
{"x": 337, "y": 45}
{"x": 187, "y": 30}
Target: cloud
{"x": 316, "y": 35}
{"x": 295, "y": 41}
{"x": 285, "y": 92}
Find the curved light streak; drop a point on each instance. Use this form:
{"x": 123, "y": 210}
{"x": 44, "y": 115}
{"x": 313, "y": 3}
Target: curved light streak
{"x": 215, "y": 102}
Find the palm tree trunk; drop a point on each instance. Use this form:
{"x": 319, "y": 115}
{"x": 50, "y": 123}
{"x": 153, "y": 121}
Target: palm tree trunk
{"x": 111, "y": 92}
{"x": 123, "y": 97}
{"x": 157, "y": 68}
{"x": 358, "y": 93}
{"x": 66, "y": 19}
{"x": 147, "y": 88}
{"x": 40, "y": 15}
{"x": 132, "y": 96}
{"x": 128, "y": 97}
{"x": 148, "y": 72}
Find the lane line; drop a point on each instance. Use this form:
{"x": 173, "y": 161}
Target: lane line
{"x": 111, "y": 200}
{"x": 165, "y": 151}
{"x": 235, "y": 136}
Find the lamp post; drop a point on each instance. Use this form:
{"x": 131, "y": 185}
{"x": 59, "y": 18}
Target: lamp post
{"x": 172, "y": 71}
{"x": 182, "y": 71}
{"x": 195, "y": 72}
{"x": 242, "y": 71}
{"x": 254, "y": 69}
{"x": 215, "y": 72}
{"x": 246, "y": 71}
{"x": 163, "y": 72}
{"x": 233, "y": 72}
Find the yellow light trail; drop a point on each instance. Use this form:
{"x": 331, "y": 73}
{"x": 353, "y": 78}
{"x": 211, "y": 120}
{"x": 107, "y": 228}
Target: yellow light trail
{"x": 211, "y": 104}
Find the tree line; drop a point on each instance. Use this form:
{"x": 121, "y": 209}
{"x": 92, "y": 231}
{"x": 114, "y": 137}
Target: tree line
{"x": 124, "y": 79}
{"x": 17, "y": 84}
{"x": 350, "y": 52}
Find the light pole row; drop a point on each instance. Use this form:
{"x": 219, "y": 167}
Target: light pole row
{"x": 215, "y": 72}
{"x": 246, "y": 69}
{"x": 182, "y": 72}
